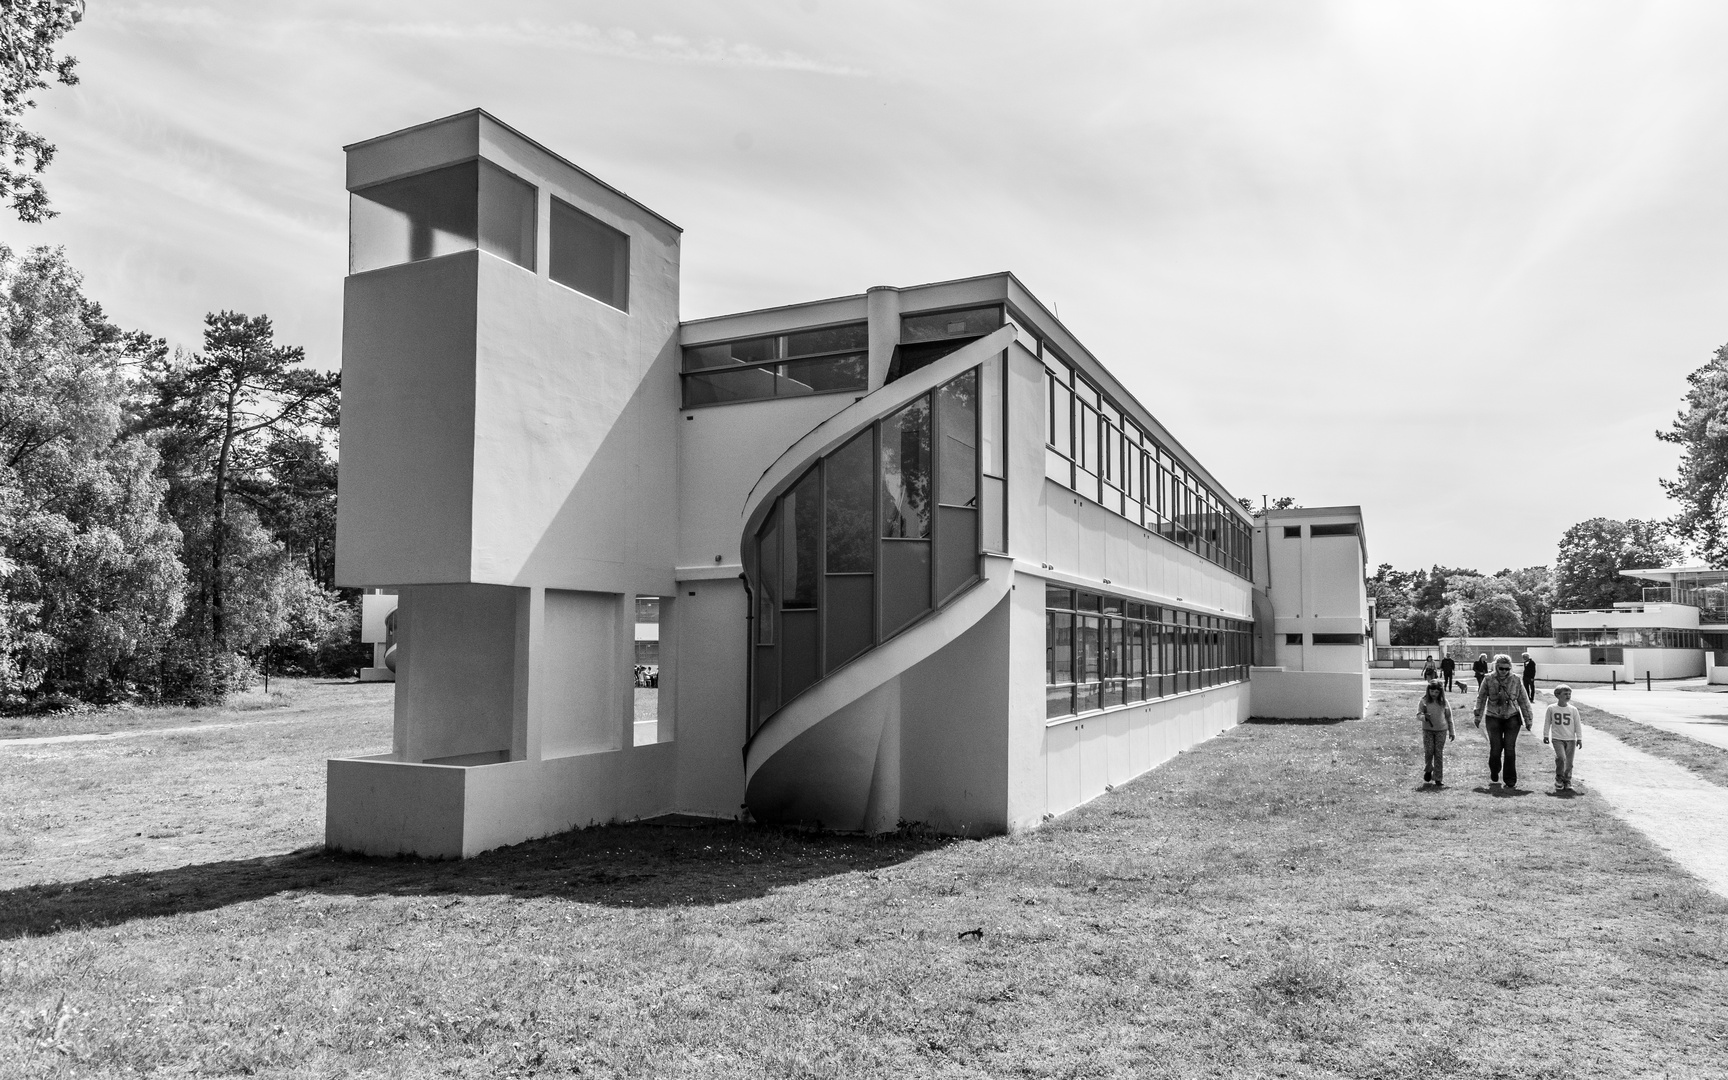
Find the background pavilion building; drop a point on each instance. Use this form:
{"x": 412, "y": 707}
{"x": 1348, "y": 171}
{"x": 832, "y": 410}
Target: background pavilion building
{"x": 915, "y": 554}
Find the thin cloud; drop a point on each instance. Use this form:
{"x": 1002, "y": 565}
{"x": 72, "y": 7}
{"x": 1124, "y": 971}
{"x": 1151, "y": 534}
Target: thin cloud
{"x": 616, "y": 41}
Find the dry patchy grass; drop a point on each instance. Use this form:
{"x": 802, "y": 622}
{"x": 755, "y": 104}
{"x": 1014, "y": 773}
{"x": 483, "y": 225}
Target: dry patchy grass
{"x": 1283, "y": 901}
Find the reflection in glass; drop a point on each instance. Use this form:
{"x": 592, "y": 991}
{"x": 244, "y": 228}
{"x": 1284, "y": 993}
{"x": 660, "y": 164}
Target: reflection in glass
{"x": 828, "y": 373}
{"x": 828, "y": 339}
{"x": 973, "y": 322}
{"x": 851, "y": 518}
{"x": 801, "y": 510}
{"x": 958, "y": 402}
{"x": 906, "y": 472}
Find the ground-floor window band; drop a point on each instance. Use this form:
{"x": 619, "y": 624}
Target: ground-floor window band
{"x": 1101, "y": 651}
{"x": 1630, "y": 637}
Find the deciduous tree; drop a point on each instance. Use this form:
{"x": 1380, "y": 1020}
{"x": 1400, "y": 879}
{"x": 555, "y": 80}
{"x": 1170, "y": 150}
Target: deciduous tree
{"x": 1701, "y": 432}
{"x": 29, "y": 32}
{"x": 1592, "y": 554}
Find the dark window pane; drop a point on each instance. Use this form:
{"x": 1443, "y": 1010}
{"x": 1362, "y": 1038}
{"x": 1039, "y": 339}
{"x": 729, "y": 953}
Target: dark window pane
{"x": 1057, "y": 597}
{"x": 1061, "y": 418}
{"x": 1058, "y": 647}
{"x": 1090, "y": 601}
{"x": 820, "y": 376}
{"x": 590, "y": 256}
{"x": 506, "y": 215}
{"x": 797, "y": 653}
{"x": 828, "y": 339}
{"x": 1114, "y": 694}
{"x": 1058, "y": 701}
{"x": 957, "y": 421}
{"x": 849, "y": 617}
{"x": 750, "y": 351}
{"x": 905, "y": 582}
{"x": 851, "y": 510}
{"x": 906, "y": 471}
{"x": 767, "y": 682}
{"x": 767, "y": 579}
{"x": 747, "y": 384}
{"x": 1086, "y": 697}
{"x": 956, "y": 550}
{"x": 801, "y": 510}
{"x": 973, "y": 322}
{"x": 415, "y": 218}
{"x": 910, "y": 358}
{"x": 1086, "y": 649}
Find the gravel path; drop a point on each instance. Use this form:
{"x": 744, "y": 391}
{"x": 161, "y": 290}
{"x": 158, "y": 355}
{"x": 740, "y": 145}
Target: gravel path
{"x": 1683, "y": 814}
{"x": 1700, "y": 716}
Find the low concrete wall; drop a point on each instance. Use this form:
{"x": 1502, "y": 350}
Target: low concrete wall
{"x": 377, "y": 806}
{"x": 1278, "y": 694}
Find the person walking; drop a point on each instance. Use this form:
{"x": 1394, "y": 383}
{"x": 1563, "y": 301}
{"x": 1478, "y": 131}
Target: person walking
{"x": 1506, "y": 706}
{"x": 1529, "y": 678}
{"x": 1447, "y": 667}
{"x": 1480, "y": 667}
{"x": 1563, "y": 722}
{"x": 1436, "y": 718}
{"x": 1428, "y": 670}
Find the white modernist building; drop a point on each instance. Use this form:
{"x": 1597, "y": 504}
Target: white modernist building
{"x": 1678, "y": 630}
{"x": 915, "y": 554}
{"x": 1315, "y": 627}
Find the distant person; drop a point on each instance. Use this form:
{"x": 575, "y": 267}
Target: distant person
{"x": 1447, "y": 667}
{"x": 1562, "y": 720}
{"x": 1529, "y": 678}
{"x": 1436, "y": 718}
{"x": 1480, "y": 667}
{"x": 1428, "y": 670}
{"x": 1505, "y": 704}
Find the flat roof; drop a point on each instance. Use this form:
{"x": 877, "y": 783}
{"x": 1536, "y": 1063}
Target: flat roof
{"x": 537, "y": 144}
{"x": 1043, "y": 314}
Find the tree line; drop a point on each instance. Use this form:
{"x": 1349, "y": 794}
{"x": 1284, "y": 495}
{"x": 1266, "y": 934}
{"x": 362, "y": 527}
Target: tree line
{"x": 167, "y": 517}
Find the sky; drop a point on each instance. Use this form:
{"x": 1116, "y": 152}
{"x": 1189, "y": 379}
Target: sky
{"x": 1451, "y": 262}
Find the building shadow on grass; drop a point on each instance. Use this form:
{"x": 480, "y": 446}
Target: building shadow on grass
{"x": 633, "y": 866}
{"x": 1322, "y": 722}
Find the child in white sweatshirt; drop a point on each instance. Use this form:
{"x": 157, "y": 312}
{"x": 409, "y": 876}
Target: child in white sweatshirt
{"x": 1563, "y": 721}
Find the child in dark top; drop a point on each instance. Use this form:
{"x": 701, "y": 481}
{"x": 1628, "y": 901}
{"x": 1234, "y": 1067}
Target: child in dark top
{"x": 1436, "y": 717}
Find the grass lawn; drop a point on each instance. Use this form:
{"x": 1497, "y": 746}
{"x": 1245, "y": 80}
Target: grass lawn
{"x": 1282, "y": 901}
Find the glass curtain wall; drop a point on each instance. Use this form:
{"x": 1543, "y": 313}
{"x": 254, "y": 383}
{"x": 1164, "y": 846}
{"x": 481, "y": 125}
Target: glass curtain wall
{"x": 1096, "y": 449}
{"x": 874, "y": 537}
{"x": 1102, "y": 651}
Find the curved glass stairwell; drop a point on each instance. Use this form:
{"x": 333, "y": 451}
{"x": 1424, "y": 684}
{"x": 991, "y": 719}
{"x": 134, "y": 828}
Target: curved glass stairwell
{"x": 876, "y": 535}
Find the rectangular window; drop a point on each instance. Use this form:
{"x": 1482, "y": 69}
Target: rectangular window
{"x": 456, "y": 208}
{"x": 590, "y": 256}
{"x": 818, "y": 361}
{"x": 1292, "y": 532}
{"x": 1292, "y": 639}
{"x": 1346, "y": 529}
{"x": 1103, "y": 651}
{"x": 940, "y": 325}
{"x": 1338, "y": 639}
